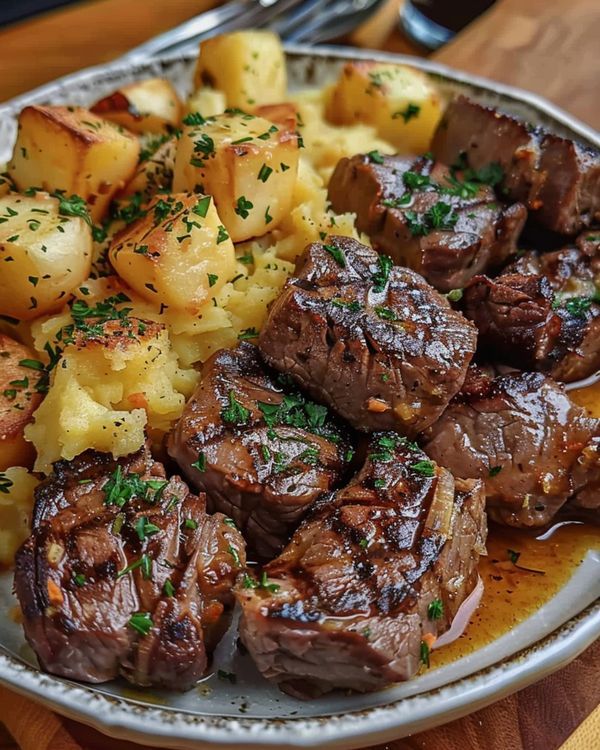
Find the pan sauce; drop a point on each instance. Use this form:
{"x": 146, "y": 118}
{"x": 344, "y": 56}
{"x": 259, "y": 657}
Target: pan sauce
{"x": 511, "y": 593}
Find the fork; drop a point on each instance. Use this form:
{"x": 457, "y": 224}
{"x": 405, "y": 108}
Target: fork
{"x": 309, "y": 21}
{"x": 233, "y": 15}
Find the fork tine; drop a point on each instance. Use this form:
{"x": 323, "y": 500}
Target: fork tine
{"x": 256, "y": 14}
{"x": 292, "y": 20}
{"x": 204, "y": 23}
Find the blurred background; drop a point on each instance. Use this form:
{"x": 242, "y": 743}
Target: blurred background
{"x": 547, "y": 46}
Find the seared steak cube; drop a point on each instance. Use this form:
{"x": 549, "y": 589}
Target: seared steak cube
{"x": 427, "y": 216}
{"x": 125, "y": 573}
{"x": 557, "y": 179}
{"x": 370, "y": 579}
{"x": 262, "y": 453}
{"x": 371, "y": 340}
{"x": 524, "y": 437}
{"x": 541, "y": 314}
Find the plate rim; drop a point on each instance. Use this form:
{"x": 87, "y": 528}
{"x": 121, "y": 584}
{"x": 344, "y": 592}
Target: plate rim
{"x": 126, "y": 719}
{"x": 121, "y": 718}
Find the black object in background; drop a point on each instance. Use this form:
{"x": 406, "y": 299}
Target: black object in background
{"x": 17, "y": 10}
{"x": 432, "y": 23}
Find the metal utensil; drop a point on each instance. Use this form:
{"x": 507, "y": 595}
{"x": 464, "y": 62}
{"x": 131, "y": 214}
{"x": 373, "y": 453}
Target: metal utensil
{"x": 233, "y": 15}
{"x": 310, "y": 21}
{"x": 320, "y": 21}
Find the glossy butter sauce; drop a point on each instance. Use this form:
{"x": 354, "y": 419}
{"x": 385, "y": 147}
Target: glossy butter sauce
{"x": 511, "y": 593}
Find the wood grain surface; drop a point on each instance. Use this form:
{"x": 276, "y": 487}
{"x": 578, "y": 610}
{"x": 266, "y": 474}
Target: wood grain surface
{"x": 547, "y": 46}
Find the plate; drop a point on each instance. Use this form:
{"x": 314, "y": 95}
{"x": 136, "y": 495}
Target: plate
{"x": 251, "y": 713}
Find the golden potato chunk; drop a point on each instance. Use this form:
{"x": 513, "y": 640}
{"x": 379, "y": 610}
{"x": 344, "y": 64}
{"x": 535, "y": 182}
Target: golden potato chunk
{"x": 401, "y": 102}
{"x": 73, "y": 150}
{"x": 16, "y": 503}
{"x": 248, "y": 164}
{"x": 115, "y": 378}
{"x": 44, "y": 254}
{"x": 150, "y": 106}
{"x": 20, "y": 374}
{"x": 248, "y": 66}
{"x": 155, "y": 170}
{"x": 178, "y": 253}
{"x": 207, "y": 101}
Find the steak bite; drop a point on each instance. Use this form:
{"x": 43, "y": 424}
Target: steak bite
{"x": 524, "y": 437}
{"x": 262, "y": 453}
{"x": 371, "y": 340}
{"x": 443, "y": 223}
{"x": 370, "y": 579}
{"x": 541, "y": 314}
{"x": 556, "y": 178}
{"x": 125, "y": 574}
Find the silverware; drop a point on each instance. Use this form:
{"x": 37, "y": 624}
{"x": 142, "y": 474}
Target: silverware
{"x": 233, "y": 15}
{"x": 309, "y": 21}
{"x": 319, "y": 21}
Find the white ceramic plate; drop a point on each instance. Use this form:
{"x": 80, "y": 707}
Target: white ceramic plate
{"x": 251, "y": 713}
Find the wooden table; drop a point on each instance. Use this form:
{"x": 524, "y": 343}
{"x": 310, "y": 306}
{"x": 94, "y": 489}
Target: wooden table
{"x": 547, "y": 47}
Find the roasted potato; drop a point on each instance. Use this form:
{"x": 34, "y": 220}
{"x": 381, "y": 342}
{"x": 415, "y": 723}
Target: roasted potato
{"x": 248, "y": 164}
{"x": 16, "y": 503}
{"x": 177, "y": 254}
{"x": 154, "y": 172}
{"x": 401, "y": 102}
{"x": 284, "y": 114}
{"x": 150, "y": 106}
{"x": 73, "y": 150}
{"x": 20, "y": 375}
{"x": 112, "y": 382}
{"x": 207, "y": 101}
{"x": 44, "y": 255}
{"x": 248, "y": 66}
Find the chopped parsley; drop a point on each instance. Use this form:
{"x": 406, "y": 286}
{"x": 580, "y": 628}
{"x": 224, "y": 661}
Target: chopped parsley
{"x": 212, "y": 279}
{"x": 243, "y": 206}
{"x": 375, "y": 157}
{"x": 296, "y": 411}
{"x": 494, "y": 471}
{"x": 79, "y": 579}
{"x": 194, "y": 118}
{"x": 144, "y": 528}
{"x": 385, "y": 313}
{"x": 247, "y": 333}
{"x": 229, "y": 676}
{"x": 248, "y": 582}
{"x": 440, "y": 216}
{"x": 143, "y": 562}
{"x": 5, "y": 483}
{"x": 141, "y": 622}
{"x": 234, "y": 412}
{"x": 200, "y": 464}
{"x": 120, "y": 488}
{"x": 435, "y": 610}
{"x": 73, "y": 206}
{"x": 168, "y": 588}
{"x": 234, "y": 553}
{"x": 264, "y": 173}
{"x": 425, "y": 468}
{"x": 415, "y": 180}
{"x": 455, "y": 295}
{"x": 411, "y": 111}
{"x": 351, "y": 305}
{"x": 425, "y": 654}
{"x": 222, "y": 235}
{"x": 381, "y": 276}
{"x": 578, "y": 306}
{"x": 201, "y": 208}
{"x": 336, "y": 254}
